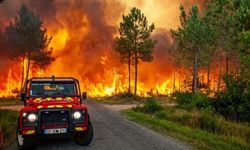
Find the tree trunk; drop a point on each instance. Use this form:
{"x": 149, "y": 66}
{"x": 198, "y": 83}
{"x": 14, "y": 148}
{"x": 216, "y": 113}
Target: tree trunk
{"x": 28, "y": 68}
{"x": 136, "y": 72}
{"x": 219, "y": 80}
{"x": 195, "y": 72}
{"x": 129, "y": 74}
{"x": 227, "y": 63}
{"x": 208, "y": 77}
{"x": 174, "y": 80}
{"x": 22, "y": 77}
{"x": 179, "y": 81}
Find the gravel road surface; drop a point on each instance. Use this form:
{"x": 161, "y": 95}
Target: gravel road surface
{"x": 113, "y": 132}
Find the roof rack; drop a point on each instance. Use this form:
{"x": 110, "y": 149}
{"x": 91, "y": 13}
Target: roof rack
{"x": 53, "y": 78}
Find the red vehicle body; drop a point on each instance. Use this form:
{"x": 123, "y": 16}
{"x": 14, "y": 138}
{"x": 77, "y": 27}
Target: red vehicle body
{"x": 53, "y": 106}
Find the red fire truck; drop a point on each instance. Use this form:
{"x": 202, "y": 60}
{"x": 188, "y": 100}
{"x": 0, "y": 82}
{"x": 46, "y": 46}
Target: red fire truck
{"x": 53, "y": 107}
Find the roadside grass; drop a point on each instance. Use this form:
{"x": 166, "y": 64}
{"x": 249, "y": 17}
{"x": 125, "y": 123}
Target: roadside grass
{"x": 198, "y": 138}
{"x": 120, "y": 99}
{"x": 6, "y": 101}
{"x": 125, "y": 98}
{"x": 114, "y": 101}
{"x": 8, "y": 121}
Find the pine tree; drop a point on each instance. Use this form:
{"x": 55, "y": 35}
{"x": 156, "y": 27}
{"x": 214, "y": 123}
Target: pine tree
{"x": 194, "y": 37}
{"x": 134, "y": 42}
{"x": 29, "y": 41}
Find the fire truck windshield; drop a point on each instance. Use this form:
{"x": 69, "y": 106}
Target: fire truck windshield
{"x": 52, "y": 89}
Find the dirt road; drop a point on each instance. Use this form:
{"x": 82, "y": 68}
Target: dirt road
{"x": 113, "y": 132}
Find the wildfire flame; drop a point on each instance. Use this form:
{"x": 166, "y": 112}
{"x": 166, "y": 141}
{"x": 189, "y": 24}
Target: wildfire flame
{"x": 83, "y": 35}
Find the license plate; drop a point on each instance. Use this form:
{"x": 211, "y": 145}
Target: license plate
{"x": 55, "y": 131}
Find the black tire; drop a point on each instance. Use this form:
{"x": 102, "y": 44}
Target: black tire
{"x": 25, "y": 142}
{"x": 84, "y": 138}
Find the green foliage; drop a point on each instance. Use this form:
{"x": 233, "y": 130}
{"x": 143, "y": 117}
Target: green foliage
{"x": 184, "y": 119}
{"x": 151, "y": 106}
{"x": 164, "y": 113}
{"x": 189, "y": 101}
{"x": 196, "y": 40}
{"x": 196, "y": 137}
{"x": 234, "y": 102}
{"x": 28, "y": 39}
{"x": 208, "y": 120}
{"x": 134, "y": 42}
{"x": 8, "y": 120}
{"x": 27, "y": 34}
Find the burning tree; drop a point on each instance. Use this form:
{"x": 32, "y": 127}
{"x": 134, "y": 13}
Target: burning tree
{"x": 28, "y": 41}
{"x": 134, "y": 42}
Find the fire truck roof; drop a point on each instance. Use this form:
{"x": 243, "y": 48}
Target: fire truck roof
{"x": 49, "y": 79}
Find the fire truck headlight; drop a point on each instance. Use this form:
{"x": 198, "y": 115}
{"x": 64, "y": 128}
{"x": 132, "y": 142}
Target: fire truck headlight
{"x": 32, "y": 117}
{"x": 24, "y": 114}
{"x": 77, "y": 115}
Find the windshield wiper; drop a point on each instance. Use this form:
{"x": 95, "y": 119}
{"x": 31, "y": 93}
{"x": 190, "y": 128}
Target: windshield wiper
{"x": 39, "y": 94}
{"x": 60, "y": 94}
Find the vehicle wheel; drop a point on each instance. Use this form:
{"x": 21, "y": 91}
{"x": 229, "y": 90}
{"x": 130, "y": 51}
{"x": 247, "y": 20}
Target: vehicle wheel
{"x": 84, "y": 138}
{"x": 25, "y": 142}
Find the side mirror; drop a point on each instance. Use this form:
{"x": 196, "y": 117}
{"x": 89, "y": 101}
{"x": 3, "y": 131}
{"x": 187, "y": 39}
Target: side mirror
{"x": 23, "y": 96}
{"x": 84, "y": 95}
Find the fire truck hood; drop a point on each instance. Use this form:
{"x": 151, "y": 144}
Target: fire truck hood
{"x": 53, "y": 102}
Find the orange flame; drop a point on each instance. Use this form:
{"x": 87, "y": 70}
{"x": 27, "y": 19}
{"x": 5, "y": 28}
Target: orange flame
{"x": 83, "y": 48}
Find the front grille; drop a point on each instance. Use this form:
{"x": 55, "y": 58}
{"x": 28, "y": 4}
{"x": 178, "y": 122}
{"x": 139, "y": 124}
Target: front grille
{"x": 54, "y": 117}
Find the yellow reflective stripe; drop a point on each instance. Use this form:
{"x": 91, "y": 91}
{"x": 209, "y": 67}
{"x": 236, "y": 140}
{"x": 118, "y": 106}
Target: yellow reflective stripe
{"x": 69, "y": 99}
{"x": 79, "y": 128}
{"x": 70, "y": 106}
{"x": 59, "y": 98}
{"x": 48, "y": 99}
{"x": 40, "y": 107}
{"x": 30, "y": 132}
{"x": 51, "y": 106}
{"x": 38, "y": 99}
{"x": 55, "y": 106}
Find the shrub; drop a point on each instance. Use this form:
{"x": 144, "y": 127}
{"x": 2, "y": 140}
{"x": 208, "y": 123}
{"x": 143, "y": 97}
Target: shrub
{"x": 190, "y": 101}
{"x": 234, "y": 102}
{"x": 151, "y": 106}
{"x": 161, "y": 114}
{"x": 181, "y": 116}
{"x": 208, "y": 120}
{"x": 184, "y": 119}
{"x": 138, "y": 109}
{"x": 167, "y": 113}
{"x": 8, "y": 121}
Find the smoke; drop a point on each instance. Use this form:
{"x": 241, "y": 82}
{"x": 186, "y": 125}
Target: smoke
{"x": 83, "y": 33}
